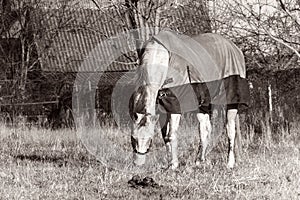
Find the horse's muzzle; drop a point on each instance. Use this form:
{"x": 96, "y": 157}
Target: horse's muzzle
{"x": 139, "y": 159}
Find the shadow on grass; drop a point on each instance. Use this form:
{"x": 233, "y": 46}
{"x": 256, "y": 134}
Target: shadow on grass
{"x": 57, "y": 160}
{"x": 38, "y": 158}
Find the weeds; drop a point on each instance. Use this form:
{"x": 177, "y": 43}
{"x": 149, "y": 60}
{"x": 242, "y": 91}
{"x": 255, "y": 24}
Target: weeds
{"x": 42, "y": 164}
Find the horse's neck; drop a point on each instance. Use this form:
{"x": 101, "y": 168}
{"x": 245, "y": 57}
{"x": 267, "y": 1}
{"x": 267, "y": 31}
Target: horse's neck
{"x": 154, "y": 64}
{"x": 152, "y": 74}
{"x": 148, "y": 98}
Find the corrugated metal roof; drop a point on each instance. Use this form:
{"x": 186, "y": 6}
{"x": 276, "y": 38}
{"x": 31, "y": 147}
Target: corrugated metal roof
{"x": 95, "y": 80}
{"x": 74, "y": 46}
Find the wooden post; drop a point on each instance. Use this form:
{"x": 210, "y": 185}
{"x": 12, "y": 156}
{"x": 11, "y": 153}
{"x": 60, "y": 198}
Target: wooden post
{"x": 91, "y": 110}
{"x": 270, "y": 102}
{"x": 78, "y": 115}
{"x": 270, "y": 118}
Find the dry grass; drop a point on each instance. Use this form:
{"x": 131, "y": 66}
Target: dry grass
{"x": 43, "y": 164}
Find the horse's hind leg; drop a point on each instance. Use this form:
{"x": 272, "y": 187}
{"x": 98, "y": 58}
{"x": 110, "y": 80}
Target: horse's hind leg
{"x": 205, "y": 130}
{"x": 169, "y": 124}
{"x": 231, "y": 132}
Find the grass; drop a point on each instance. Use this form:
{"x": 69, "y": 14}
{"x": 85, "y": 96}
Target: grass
{"x": 44, "y": 164}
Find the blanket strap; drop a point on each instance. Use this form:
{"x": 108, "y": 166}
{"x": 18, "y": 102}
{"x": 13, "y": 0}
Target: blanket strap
{"x": 189, "y": 75}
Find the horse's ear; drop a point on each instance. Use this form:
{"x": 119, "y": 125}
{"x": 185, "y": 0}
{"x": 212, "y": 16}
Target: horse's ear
{"x": 142, "y": 122}
{"x": 154, "y": 118}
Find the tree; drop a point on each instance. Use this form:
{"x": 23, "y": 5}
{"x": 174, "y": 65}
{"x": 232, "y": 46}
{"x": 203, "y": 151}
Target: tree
{"x": 265, "y": 29}
{"x": 268, "y": 33}
{"x": 25, "y": 39}
{"x": 149, "y": 16}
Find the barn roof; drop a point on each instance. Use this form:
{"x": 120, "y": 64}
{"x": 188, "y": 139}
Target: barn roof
{"x": 72, "y": 47}
{"x": 94, "y": 80}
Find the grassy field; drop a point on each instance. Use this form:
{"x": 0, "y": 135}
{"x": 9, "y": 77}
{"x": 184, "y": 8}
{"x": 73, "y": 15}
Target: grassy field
{"x": 44, "y": 164}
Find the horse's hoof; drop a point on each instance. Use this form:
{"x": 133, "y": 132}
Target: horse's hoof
{"x": 200, "y": 162}
{"x": 174, "y": 166}
{"x": 230, "y": 165}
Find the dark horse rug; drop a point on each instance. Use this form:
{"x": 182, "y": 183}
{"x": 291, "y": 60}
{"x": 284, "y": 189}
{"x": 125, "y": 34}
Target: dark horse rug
{"x": 203, "y": 70}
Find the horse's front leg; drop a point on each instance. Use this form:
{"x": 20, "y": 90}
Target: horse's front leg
{"x": 169, "y": 127}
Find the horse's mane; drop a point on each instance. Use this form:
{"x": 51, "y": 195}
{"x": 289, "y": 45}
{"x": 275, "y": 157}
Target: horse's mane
{"x": 140, "y": 77}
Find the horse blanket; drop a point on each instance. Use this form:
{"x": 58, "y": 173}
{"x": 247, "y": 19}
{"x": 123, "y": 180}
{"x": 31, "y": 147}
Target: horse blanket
{"x": 203, "y": 70}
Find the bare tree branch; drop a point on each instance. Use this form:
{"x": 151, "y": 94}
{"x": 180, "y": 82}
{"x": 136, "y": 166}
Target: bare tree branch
{"x": 284, "y": 43}
{"x": 265, "y": 29}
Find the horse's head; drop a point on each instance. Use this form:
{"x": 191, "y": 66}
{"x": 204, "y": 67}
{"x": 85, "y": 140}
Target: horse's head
{"x": 142, "y": 133}
{"x": 142, "y": 107}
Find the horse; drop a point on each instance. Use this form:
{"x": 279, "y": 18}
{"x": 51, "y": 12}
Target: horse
{"x": 179, "y": 74}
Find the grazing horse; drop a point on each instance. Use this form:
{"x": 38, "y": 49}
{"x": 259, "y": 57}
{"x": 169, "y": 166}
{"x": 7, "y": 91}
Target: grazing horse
{"x": 179, "y": 74}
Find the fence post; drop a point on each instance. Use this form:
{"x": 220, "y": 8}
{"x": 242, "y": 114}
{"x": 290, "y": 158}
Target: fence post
{"x": 270, "y": 102}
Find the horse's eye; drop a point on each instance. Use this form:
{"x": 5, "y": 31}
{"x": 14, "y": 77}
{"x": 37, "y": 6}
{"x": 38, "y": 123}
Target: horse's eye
{"x": 133, "y": 141}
